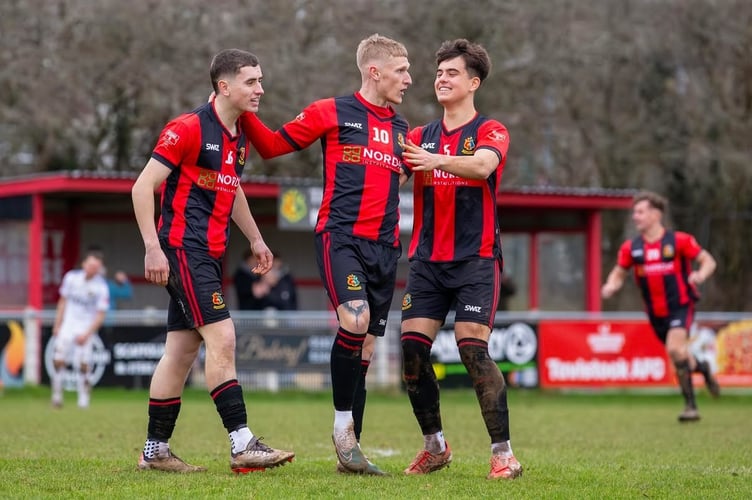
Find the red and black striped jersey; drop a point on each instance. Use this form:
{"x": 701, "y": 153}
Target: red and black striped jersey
{"x": 362, "y": 162}
{"x": 455, "y": 218}
{"x": 207, "y": 162}
{"x": 661, "y": 270}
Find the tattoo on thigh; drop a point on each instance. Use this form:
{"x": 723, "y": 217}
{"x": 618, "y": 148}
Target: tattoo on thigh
{"x": 358, "y": 308}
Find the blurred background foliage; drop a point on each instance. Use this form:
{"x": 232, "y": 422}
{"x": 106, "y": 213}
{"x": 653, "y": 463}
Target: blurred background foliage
{"x": 595, "y": 93}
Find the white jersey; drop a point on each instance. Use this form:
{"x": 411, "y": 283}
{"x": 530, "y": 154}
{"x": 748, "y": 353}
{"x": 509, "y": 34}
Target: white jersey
{"x": 84, "y": 299}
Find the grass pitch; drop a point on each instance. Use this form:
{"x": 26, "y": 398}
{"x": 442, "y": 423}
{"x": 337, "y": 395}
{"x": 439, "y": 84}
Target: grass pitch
{"x": 570, "y": 445}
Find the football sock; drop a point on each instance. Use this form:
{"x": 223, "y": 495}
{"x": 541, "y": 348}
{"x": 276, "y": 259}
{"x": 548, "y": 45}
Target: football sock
{"x": 57, "y": 385}
{"x": 489, "y": 385}
{"x": 342, "y": 420}
{"x": 163, "y": 413}
{"x": 504, "y": 449}
{"x": 153, "y": 448}
{"x": 702, "y": 367}
{"x": 434, "y": 443}
{"x": 82, "y": 383}
{"x": 228, "y": 398}
{"x": 345, "y": 365}
{"x": 685, "y": 382}
{"x": 239, "y": 439}
{"x": 420, "y": 381}
{"x": 359, "y": 403}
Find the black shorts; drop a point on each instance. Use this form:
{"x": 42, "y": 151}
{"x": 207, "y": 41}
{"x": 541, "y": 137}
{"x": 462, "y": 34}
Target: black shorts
{"x": 357, "y": 269}
{"x": 195, "y": 288}
{"x": 470, "y": 287}
{"x": 679, "y": 317}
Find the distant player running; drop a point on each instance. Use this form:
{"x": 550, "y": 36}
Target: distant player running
{"x": 199, "y": 159}
{"x": 662, "y": 261}
{"x": 81, "y": 309}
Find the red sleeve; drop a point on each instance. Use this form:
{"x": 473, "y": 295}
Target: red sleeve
{"x": 624, "y": 258}
{"x": 687, "y": 246}
{"x": 309, "y": 126}
{"x": 175, "y": 142}
{"x": 313, "y": 123}
{"x": 267, "y": 142}
{"x": 494, "y": 136}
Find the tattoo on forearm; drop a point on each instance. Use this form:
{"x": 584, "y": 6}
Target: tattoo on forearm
{"x": 358, "y": 308}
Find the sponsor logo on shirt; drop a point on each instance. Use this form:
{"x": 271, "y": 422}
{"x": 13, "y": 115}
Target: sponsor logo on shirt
{"x": 356, "y": 125}
{"x": 170, "y": 138}
{"x": 655, "y": 269}
{"x": 211, "y": 147}
{"x": 495, "y": 135}
{"x": 438, "y": 177}
{"x": 217, "y": 181}
{"x": 428, "y": 146}
{"x": 367, "y": 156}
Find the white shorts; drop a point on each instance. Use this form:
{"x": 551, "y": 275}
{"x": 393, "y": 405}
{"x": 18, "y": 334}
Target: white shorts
{"x": 68, "y": 351}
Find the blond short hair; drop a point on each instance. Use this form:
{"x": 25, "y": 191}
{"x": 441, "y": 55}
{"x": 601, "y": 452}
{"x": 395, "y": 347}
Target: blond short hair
{"x": 378, "y": 47}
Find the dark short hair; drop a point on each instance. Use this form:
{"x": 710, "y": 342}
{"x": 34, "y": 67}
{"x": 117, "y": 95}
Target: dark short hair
{"x": 654, "y": 200}
{"x": 477, "y": 61}
{"x": 228, "y": 63}
{"x": 93, "y": 251}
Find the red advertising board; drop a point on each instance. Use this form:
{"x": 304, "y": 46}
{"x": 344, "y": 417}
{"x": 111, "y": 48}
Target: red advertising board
{"x": 598, "y": 353}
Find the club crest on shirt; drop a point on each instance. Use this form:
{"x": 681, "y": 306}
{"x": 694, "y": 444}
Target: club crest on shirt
{"x": 468, "y": 146}
{"x": 218, "y": 302}
{"x": 353, "y": 282}
{"x": 668, "y": 251}
{"x": 407, "y": 302}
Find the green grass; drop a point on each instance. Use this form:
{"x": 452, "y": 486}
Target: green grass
{"x": 571, "y": 446}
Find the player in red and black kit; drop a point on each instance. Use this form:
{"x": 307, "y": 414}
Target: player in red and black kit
{"x": 662, "y": 262}
{"x": 357, "y": 232}
{"x": 199, "y": 159}
{"x": 455, "y": 255}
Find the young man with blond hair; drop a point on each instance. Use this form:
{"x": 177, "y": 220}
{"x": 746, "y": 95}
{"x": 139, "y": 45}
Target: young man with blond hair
{"x": 357, "y": 231}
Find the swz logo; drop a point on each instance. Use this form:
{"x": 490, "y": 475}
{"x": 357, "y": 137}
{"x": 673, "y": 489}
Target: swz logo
{"x": 470, "y": 308}
{"x": 212, "y": 147}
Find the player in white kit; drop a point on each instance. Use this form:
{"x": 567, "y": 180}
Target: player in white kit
{"x": 84, "y": 301}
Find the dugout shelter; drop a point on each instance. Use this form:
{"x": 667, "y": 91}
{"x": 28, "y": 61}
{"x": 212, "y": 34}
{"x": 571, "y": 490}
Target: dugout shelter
{"x": 551, "y": 238}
